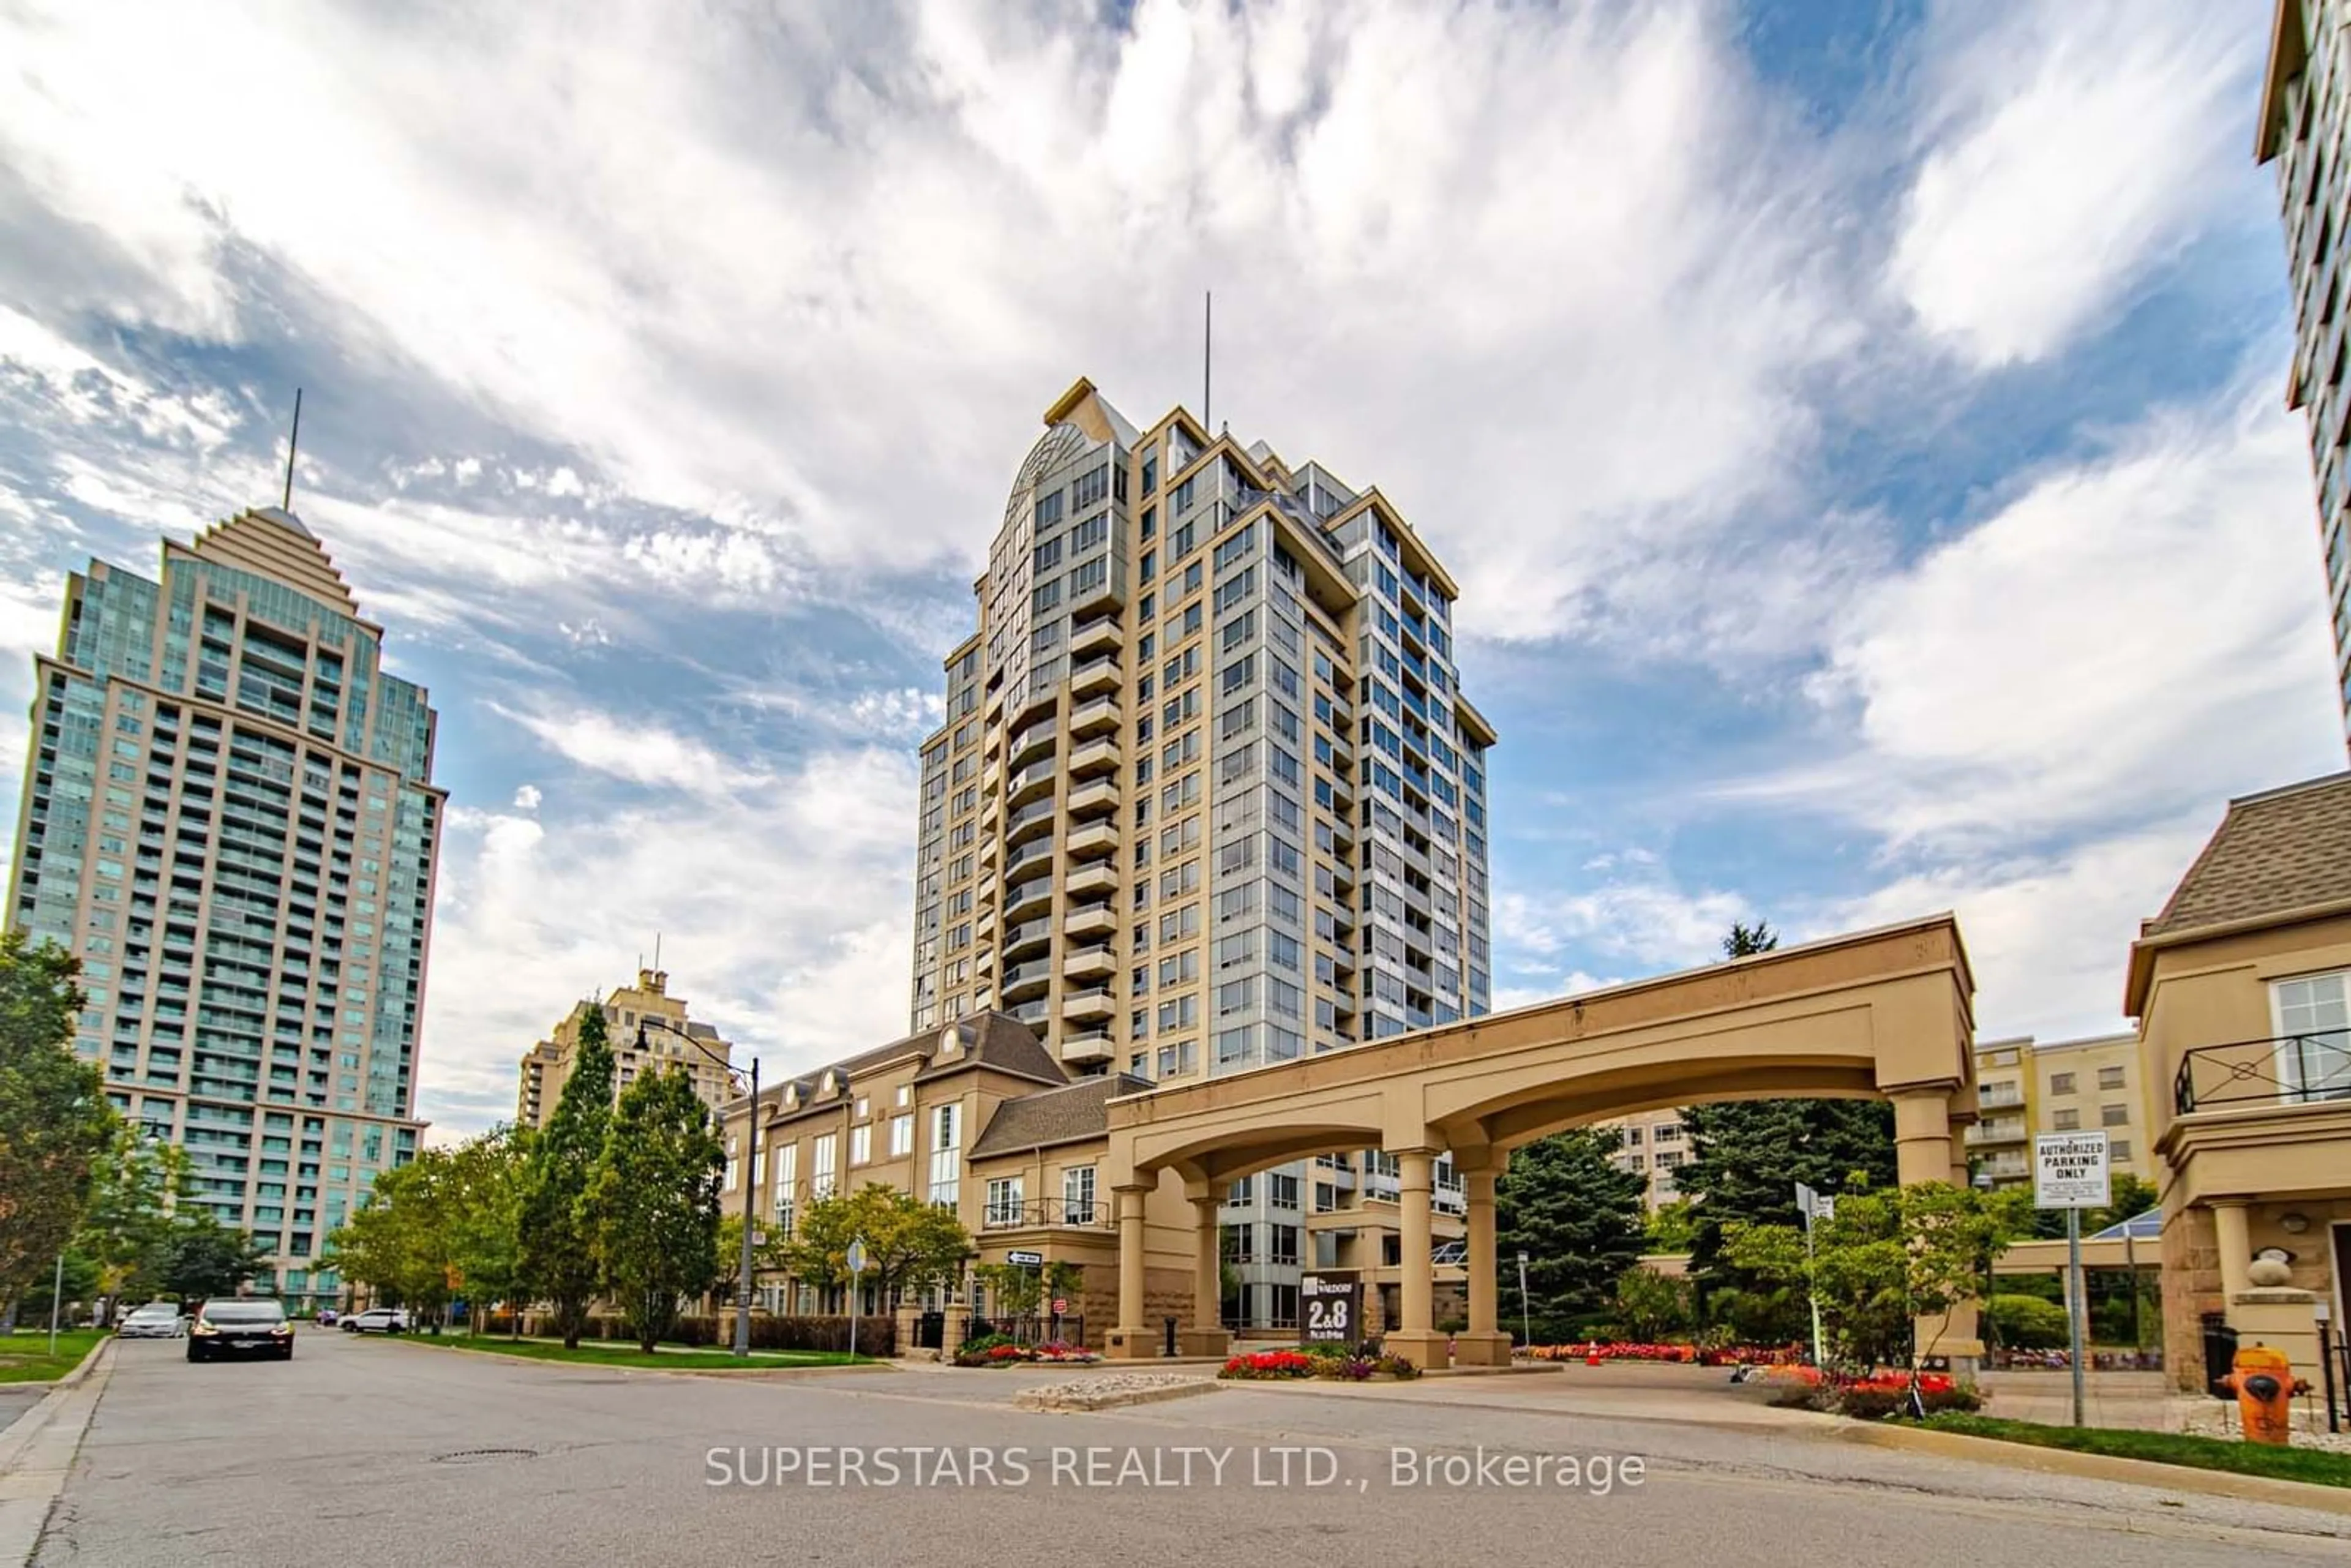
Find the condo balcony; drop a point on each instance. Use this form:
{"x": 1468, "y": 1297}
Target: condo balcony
{"x": 1095, "y": 878}
{"x": 1033, "y": 1014}
{"x": 1096, "y": 1005}
{"x": 1090, "y": 964}
{"x": 2287, "y": 1071}
{"x": 1047, "y": 1213}
{"x": 1036, "y": 817}
{"x": 1093, "y": 841}
{"x": 1036, "y": 740}
{"x": 1034, "y": 896}
{"x": 1022, "y": 981}
{"x": 1094, "y": 796}
{"x": 1096, "y": 637}
{"x": 1028, "y": 936}
{"x": 1084, "y": 1047}
{"x": 1027, "y": 852}
{"x": 1025, "y": 705}
{"x": 1099, "y": 716}
{"x": 1030, "y": 782}
{"x": 1094, "y": 756}
{"x": 1095, "y": 676}
{"x": 1091, "y": 920}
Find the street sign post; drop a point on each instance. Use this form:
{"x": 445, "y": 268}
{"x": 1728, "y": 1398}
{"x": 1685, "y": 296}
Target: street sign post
{"x": 1025, "y": 1259}
{"x": 1330, "y": 1309}
{"x": 2071, "y": 1171}
{"x": 1813, "y": 1206}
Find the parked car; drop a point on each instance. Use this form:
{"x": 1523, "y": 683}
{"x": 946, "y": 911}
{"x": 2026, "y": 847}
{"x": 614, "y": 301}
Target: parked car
{"x": 326, "y": 1317}
{"x": 254, "y": 1325}
{"x": 378, "y": 1320}
{"x": 156, "y": 1320}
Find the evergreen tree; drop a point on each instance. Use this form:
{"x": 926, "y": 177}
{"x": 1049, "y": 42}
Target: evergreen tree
{"x": 651, "y": 1208}
{"x": 1746, "y": 1158}
{"x": 202, "y": 1257}
{"x": 1564, "y": 1202}
{"x": 55, "y": 1124}
{"x": 557, "y": 1262}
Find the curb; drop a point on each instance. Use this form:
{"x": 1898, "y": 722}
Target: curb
{"x": 2102, "y": 1467}
{"x": 741, "y": 1374}
{"x": 38, "y": 1453}
{"x": 1078, "y": 1401}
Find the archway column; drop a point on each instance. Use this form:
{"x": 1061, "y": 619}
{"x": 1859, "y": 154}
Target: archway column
{"x": 1484, "y": 1344}
{"x": 1415, "y": 1338}
{"x": 1133, "y": 1338}
{"x": 1926, "y": 1148}
{"x": 1207, "y": 1336}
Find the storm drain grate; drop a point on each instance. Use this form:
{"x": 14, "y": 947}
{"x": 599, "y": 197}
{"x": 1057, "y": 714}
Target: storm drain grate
{"x": 484, "y": 1455}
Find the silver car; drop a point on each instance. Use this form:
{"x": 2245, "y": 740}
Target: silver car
{"x": 156, "y": 1320}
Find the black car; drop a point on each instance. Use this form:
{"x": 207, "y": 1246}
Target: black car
{"x": 252, "y": 1326}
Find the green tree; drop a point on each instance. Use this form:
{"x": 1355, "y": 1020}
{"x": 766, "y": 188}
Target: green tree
{"x": 558, "y": 1264}
{"x": 1884, "y": 1259}
{"x": 652, "y": 1206}
{"x": 1671, "y": 1228}
{"x": 727, "y": 1262}
{"x": 908, "y": 1243}
{"x": 2025, "y": 1322}
{"x": 1745, "y": 1160}
{"x": 202, "y": 1257}
{"x": 1014, "y": 1289}
{"x": 131, "y": 1212}
{"x": 55, "y": 1124}
{"x": 1564, "y": 1202}
{"x": 1652, "y": 1308}
{"x": 400, "y": 1241}
{"x": 488, "y": 1181}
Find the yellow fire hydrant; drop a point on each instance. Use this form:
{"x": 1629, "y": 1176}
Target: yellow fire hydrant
{"x": 2264, "y": 1384}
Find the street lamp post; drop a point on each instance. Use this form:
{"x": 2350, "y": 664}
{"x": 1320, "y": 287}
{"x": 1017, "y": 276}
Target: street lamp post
{"x": 1526, "y": 1321}
{"x": 750, "y": 1188}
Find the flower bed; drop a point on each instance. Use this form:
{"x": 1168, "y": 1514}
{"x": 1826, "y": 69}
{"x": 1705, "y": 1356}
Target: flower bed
{"x": 1681, "y": 1354}
{"x": 996, "y": 1349}
{"x": 1339, "y": 1363}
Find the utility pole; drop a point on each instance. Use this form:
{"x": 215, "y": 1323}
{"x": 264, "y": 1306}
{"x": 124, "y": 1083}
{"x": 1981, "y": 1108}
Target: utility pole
{"x": 1525, "y": 1330}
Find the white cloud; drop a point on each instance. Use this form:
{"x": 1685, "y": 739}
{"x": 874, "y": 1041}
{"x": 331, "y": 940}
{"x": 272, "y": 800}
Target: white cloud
{"x": 814, "y": 276}
{"x": 785, "y": 916}
{"x": 2072, "y": 146}
{"x": 636, "y": 751}
{"x": 2127, "y": 636}
{"x": 527, "y": 797}
{"x": 1648, "y": 921}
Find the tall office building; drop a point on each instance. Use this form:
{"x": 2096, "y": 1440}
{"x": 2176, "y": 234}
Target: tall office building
{"x": 1208, "y": 794}
{"x": 2303, "y": 129}
{"x": 230, "y": 818}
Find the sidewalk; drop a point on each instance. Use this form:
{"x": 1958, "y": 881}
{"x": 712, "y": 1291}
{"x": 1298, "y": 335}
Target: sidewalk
{"x": 36, "y": 1452}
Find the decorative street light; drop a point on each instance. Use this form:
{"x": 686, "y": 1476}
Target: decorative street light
{"x": 750, "y": 1164}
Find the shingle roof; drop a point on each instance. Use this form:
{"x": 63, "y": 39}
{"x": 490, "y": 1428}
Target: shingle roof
{"x": 1065, "y": 1115}
{"x": 2273, "y": 853}
{"x": 1003, "y": 1043}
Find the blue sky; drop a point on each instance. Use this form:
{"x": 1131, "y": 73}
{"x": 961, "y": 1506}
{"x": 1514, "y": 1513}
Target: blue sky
{"x": 1858, "y": 429}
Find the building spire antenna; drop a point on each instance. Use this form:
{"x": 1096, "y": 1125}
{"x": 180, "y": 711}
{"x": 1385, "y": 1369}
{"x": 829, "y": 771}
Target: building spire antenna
{"x": 292, "y": 440}
{"x": 1207, "y": 358}
{"x": 656, "y": 951}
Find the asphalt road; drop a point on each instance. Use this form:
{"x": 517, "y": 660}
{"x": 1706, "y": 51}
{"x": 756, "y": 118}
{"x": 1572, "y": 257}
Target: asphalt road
{"x": 389, "y": 1452}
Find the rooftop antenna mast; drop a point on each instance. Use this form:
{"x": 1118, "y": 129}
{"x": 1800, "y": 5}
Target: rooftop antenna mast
{"x": 292, "y": 441}
{"x": 1207, "y": 361}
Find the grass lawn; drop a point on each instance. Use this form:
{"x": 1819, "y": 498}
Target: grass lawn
{"x": 619, "y": 1353}
{"x": 24, "y": 1355}
{"x": 2311, "y": 1465}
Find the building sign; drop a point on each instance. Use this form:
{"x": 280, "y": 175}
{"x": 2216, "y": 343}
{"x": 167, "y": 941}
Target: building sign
{"x": 1025, "y": 1259}
{"x": 1330, "y": 1309}
{"x": 2069, "y": 1170}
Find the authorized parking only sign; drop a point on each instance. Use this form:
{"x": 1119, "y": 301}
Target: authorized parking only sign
{"x": 2069, "y": 1170}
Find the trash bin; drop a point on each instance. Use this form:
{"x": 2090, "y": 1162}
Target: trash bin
{"x": 1167, "y": 1337}
{"x": 2219, "y": 1356}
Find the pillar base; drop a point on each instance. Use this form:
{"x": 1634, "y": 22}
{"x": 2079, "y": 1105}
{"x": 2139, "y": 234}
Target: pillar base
{"x": 1481, "y": 1350}
{"x": 1131, "y": 1345}
{"x": 1423, "y": 1347}
{"x": 1204, "y": 1341}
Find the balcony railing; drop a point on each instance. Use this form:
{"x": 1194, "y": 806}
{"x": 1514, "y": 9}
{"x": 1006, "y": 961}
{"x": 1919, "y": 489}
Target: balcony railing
{"x": 1036, "y": 1211}
{"x": 2286, "y": 1069}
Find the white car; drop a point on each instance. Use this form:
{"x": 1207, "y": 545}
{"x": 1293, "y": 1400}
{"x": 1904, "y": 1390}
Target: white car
{"x": 156, "y": 1320}
{"x": 377, "y": 1320}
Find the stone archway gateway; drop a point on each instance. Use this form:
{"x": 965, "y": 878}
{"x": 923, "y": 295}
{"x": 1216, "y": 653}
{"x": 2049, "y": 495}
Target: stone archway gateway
{"x": 1882, "y": 1014}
